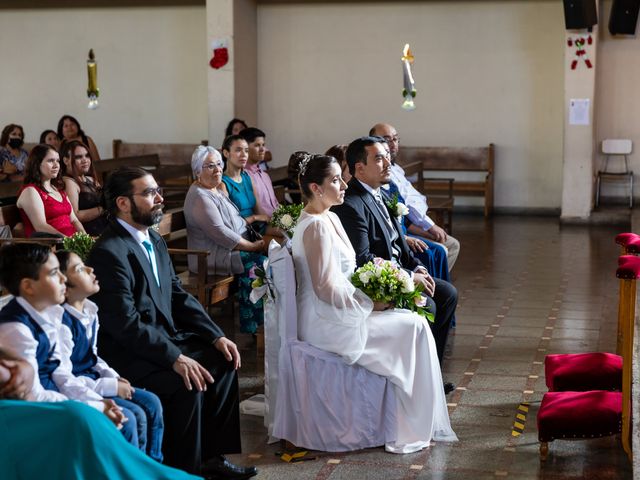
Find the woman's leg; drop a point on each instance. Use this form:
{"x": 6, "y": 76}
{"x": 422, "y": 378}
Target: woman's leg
{"x": 150, "y": 403}
{"x": 251, "y": 314}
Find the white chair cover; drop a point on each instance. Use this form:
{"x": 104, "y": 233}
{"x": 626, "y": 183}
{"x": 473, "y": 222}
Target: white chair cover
{"x": 314, "y": 399}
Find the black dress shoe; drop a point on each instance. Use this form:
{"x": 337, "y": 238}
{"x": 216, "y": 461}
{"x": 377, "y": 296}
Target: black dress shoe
{"x": 449, "y": 387}
{"x": 220, "y": 467}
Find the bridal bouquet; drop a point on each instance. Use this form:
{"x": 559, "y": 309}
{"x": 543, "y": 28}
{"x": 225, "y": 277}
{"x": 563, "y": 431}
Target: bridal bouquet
{"x": 384, "y": 281}
{"x": 285, "y": 217}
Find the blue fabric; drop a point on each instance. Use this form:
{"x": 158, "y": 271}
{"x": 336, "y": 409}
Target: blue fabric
{"x": 146, "y": 409}
{"x": 13, "y": 312}
{"x": 241, "y": 194}
{"x": 82, "y": 357}
{"x": 435, "y": 258}
{"x": 69, "y": 440}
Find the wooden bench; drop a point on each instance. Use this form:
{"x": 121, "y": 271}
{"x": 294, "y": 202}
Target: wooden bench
{"x": 9, "y": 192}
{"x": 440, "y": 207}
{"x": 104, "y": 167}
{"x": 455, "y": 159}
{"x": 169, "y": 153}
{"x": 208, "y": 289}
{"x": 10, "y": 217}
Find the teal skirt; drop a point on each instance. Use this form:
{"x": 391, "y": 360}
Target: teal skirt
{"x": 69, "y": 440}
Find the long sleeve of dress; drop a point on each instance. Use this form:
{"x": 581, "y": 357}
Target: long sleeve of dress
{"x": 336, "y": 293}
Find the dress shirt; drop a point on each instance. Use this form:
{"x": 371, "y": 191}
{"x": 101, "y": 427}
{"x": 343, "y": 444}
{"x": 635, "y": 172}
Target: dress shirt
{"x": 21, "y": 341}
{"x": 264, "y": 188}
{"x": 415, "y": 201}
{"x": 107, "y": 384}
{"x": 141, "y": 237}
{"x": 393, "y": 233}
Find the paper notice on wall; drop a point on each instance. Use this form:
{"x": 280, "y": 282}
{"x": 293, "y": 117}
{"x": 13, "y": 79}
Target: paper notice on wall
{"x": 579, "y": 111}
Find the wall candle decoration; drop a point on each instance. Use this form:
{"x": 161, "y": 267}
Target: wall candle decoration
{"x": 409, "y": 91}
{"x": 92, "y": 89}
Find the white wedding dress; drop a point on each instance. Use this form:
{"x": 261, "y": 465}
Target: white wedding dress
{"x": 335, "y": 316}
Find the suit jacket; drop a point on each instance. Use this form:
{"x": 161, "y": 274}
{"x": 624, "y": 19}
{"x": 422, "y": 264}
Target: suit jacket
{"x": 143, "y": 324}
{"x": 367, "y": 230}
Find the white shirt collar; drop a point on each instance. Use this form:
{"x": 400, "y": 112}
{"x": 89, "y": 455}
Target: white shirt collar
{"x": 89, "y": 310}
{"x": 49, "y": 316}
{"x": 370, "y": 189}
{"x": 134, "y": 232}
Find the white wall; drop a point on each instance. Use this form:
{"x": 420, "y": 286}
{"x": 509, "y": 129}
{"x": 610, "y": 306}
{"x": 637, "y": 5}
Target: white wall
{"x": 485, "y": 71}
{"x": 152, "y": 65}
{"x": 618, "y": 95}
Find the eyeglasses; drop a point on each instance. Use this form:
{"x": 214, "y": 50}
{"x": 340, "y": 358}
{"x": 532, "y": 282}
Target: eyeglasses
{"x": 394, "y": 139}
{"x": 211, "y": 166}
{"x": 150, "y": 192}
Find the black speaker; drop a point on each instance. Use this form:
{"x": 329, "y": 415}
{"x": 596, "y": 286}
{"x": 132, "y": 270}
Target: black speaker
{"x": 580, "y": 14}
{"x": 624, "y": 17}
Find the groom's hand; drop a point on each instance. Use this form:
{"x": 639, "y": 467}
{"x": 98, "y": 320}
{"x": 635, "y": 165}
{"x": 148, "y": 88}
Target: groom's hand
{"x": 426, "y": 281}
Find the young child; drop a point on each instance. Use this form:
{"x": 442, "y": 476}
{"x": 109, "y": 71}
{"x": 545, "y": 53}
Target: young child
{"x": 29, "y": 322}
{"x": 78, "y": 334}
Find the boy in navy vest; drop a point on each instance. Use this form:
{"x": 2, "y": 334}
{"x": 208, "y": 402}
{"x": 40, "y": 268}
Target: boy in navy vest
{"x": 29, "y": 322}
{"x": 77, "y": 335}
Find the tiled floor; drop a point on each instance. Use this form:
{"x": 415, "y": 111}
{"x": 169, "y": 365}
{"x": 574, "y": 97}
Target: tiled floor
{"x": 527, "y": 287}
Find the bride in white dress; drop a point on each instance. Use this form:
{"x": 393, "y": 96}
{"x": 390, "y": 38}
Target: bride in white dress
{"x": 335, "y": 316}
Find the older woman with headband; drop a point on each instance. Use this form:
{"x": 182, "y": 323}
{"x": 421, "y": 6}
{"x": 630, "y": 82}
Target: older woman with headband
{"x": 215, "y": 224}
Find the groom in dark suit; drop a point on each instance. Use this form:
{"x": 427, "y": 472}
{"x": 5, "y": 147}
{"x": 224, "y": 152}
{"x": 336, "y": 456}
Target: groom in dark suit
{"x": 374, "y": 232}
{"x": 158, "y": 336}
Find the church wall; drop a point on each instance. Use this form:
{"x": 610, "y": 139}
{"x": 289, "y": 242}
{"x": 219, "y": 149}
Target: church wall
{"x": 152, "y": 65}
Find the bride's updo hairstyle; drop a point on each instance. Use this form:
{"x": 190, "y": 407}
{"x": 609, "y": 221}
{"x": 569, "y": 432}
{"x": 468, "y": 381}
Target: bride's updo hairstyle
{"x": 313, "y": 168}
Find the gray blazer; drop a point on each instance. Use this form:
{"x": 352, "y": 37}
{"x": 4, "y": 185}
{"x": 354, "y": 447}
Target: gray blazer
{"x": 214, "y": 223}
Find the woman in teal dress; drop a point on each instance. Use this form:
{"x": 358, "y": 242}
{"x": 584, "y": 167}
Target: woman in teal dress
{"x": 64, "y": 440}
{"x": 238, "y": 186}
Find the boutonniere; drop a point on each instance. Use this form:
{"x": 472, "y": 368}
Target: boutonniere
{"x": 398, "y": 209}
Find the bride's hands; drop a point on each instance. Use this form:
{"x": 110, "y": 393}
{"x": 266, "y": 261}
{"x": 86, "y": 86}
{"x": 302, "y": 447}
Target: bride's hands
{"x": 380, "y": 306}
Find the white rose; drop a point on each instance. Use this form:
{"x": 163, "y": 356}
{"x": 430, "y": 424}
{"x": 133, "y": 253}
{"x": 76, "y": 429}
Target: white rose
{"x": 378, "y": 272}
{"x": 364, "y": 277}
{"x": 286, "y": 220}
{"x": 401, "y": 209}
{"x": 407, "y": 285}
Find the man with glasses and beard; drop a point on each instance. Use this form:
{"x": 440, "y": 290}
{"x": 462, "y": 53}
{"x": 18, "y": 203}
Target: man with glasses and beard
{"x": 159, "y": 336}
{"x": 421, "y": 225}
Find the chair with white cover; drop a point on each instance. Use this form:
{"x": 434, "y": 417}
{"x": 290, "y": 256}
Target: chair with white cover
{"x": 314, "y": 399}
{"x": 616, "y": 148}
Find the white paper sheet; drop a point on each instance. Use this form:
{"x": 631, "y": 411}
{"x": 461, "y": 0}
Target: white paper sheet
{"x": 579, "y": 111}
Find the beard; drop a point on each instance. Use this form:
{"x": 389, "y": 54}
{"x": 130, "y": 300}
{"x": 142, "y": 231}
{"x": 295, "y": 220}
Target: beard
{"x": 148, "y": 219}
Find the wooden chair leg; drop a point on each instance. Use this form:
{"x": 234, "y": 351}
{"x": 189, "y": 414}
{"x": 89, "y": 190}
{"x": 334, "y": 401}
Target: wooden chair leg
{"x": 544, "y": 450}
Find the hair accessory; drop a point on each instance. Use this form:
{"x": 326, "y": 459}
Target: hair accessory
{"x": 304, "y": 163}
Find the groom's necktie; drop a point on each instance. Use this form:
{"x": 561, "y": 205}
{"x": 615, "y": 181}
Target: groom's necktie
{"x": 393, "y": 233}
{"x": 152, "y": 259}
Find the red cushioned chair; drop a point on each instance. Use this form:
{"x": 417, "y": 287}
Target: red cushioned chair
{"x": 579, "y": 372}
{"x": 571, "y": 415}
{"x": 591, "y": 371}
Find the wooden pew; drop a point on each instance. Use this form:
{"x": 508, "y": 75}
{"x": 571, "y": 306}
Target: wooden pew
{"x": 169, "y": 153}
{"x": 208, "y": 289}
{"x": 10, "y": 217}
{"x": 9, "y": 192}
{"x": 104, "y": 167}
{"x": 440, "y": 207}
{"x": 456, "y": 159}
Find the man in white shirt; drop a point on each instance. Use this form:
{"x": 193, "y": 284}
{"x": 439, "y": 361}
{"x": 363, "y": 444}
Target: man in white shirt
{"x": 422, "y": 225}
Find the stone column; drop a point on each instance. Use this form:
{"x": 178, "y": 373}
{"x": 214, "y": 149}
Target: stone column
{"x": 579, "y": 143}
{"x": 232, "y": 89}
